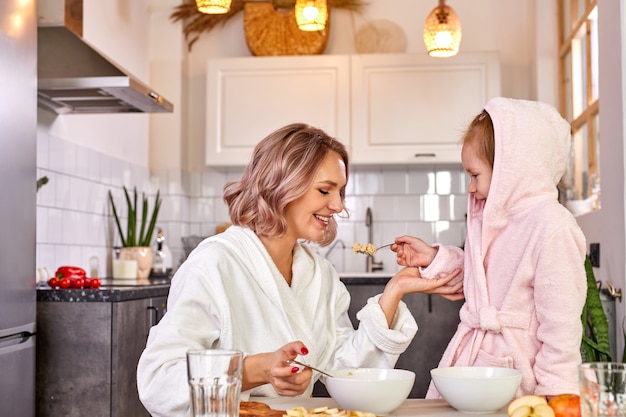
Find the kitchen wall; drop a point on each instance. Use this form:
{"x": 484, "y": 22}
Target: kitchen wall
{"x": 75, "y": 226}
{"x": 84, "y": 156}
{"x": 167, "y": 149}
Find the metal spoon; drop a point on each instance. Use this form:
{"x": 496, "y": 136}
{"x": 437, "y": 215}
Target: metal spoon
{"x": 369, "y": 251}
{"x": 292, "y": 362}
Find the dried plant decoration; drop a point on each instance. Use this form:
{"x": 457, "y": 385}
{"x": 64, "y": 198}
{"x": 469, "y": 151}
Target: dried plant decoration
{"x": 195, "y": 22}
{"x": 271, "y": 32}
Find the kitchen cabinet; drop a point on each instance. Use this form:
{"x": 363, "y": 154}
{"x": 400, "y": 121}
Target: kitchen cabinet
{"x": 248, "y": 98}
{"x": 412, "y": 108}
{"x": 87, "y": 354}
{"x": 387, "y": 108}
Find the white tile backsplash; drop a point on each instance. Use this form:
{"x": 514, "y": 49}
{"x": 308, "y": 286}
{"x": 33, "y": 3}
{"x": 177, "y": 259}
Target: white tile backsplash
{"x": 75, "y": 222}
{"x": 395, "y": 208}
{"x": 420, "y": 181}
{"x": 394, "y": 182}
{"x": 367, "y": 182}
{"x": 429, "y": 207}
{"x": 443, "y": 182}
{"x": 423, "y": 230}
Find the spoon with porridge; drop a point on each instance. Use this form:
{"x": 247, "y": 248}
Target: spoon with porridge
{"x": 367, "y": 248}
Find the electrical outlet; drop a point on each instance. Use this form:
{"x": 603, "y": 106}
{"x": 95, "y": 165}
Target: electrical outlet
{"x": 594, "y": 254}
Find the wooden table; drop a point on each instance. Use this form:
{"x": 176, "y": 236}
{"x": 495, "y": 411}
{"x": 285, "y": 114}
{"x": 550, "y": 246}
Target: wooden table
{"x": 410, "y": 408}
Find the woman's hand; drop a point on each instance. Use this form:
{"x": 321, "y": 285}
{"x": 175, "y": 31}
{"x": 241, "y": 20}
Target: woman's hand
{"x": 272, "y": 368}
{"x": 409, "y": 280}
{"x": 413, "y": 251}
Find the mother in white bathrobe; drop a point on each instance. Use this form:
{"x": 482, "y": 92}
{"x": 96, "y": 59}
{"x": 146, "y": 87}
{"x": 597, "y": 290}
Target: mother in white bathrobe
{"x": 257, "y": 289}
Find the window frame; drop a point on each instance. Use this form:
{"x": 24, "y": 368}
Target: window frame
{"x": 578, "y": 74}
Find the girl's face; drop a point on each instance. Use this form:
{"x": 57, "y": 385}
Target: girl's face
{"x": 479, "y": 171}
{"x": 308, "y": 216}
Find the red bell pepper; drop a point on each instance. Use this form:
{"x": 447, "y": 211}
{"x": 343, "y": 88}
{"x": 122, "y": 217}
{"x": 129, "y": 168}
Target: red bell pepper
{"x": 70, "y": 272}
{"x": 73, "y": 277}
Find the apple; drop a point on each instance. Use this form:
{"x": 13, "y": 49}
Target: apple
{"x": 530, "y": 406}
{"x": 565, "y": 405}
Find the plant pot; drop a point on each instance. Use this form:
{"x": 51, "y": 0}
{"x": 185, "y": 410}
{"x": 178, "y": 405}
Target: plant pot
{"x": 142, "y": 255}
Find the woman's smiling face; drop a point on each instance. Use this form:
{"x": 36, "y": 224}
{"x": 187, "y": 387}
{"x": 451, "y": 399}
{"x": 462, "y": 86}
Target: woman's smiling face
{"x": 307, "y": 217}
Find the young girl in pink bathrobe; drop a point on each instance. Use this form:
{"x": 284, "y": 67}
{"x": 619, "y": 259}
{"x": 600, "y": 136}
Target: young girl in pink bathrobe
{"x": 524, "y": 280}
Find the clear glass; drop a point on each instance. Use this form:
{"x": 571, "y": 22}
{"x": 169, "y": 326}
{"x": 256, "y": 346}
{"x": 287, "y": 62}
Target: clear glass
{"x": 567, "y": 86}
{"x": 580, "y": 170}
{"x": 214, "y": 378}
{"x": 579, "y": 71}
{"x": 602, "y": 389}
{"x": 593, "y": 38}
{"x": 581, "y": 7}
{"x": 585, "y": 161}
{"x": 567, "y": 18}
{"x": 594, "y": 177}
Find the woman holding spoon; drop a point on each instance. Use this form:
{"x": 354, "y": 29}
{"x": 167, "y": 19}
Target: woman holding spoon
{"x": 258, "y": 289}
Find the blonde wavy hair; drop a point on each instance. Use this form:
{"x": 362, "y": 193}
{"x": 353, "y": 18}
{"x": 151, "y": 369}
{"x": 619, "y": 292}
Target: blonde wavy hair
{"x": 282, "y": 169}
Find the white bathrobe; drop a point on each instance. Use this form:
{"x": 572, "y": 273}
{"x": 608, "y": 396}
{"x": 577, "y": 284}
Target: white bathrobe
{"x": 524, "y": 278}
{"x": 229, "y": 294}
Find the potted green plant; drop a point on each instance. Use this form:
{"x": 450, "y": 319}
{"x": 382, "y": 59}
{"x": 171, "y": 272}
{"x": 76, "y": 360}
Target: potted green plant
{"x": 136, "y": 241}
{"x": 595, "y": 346}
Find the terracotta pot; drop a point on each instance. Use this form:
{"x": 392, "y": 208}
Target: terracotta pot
{"x": 143, "y": 256}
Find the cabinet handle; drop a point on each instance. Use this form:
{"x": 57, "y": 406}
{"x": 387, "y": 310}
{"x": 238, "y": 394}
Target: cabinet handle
{"x": 153, "y": 316}
{"x": 423, "y": 155}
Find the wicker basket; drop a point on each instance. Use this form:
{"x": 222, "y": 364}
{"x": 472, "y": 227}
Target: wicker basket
{"x": 274, "y": 32}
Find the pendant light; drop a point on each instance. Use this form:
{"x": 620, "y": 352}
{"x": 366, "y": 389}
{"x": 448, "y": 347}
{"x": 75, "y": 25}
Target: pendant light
{"x": 213, "y": 6}
{"x": 311, "y": 15}
{"x": 442, "y": 31}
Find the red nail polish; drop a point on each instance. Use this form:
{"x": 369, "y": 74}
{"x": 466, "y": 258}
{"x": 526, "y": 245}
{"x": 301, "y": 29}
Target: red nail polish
{"x": 295, "y": 369}
{"x": 304, "y": 351}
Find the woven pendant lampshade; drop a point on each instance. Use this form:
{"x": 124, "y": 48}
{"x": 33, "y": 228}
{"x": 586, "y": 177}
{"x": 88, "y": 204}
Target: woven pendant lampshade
{"x": 311, "y": 15}
{"x": 213, "y": 6}
{"x": 442, "y": 31}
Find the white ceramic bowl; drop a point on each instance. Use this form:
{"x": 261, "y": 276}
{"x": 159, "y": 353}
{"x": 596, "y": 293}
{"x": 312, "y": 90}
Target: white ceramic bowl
{"x": 476, "y": 389}
{"x": 379, "y": 391}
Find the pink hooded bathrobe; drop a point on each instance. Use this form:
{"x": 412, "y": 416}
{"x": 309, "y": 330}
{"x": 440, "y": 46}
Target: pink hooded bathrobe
{"x": 524, "y": 276}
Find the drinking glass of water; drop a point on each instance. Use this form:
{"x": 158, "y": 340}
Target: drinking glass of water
{"x": 214, "y": 377}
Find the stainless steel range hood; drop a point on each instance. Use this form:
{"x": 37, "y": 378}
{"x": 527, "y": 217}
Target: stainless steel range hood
{"x": 75, "y": 78}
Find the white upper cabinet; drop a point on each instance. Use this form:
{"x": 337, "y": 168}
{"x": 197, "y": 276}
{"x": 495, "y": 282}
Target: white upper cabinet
{"x": 410, "y": 108}
{"x": 248, "y": 98}
{"x": 387, "y": 108}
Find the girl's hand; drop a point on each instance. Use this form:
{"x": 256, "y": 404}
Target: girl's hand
{"x": 272, "y": 368}
{"x": 413, "y": 251}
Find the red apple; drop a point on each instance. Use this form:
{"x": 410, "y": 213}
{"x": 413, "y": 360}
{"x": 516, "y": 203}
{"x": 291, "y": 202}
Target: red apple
{"x": 565, "y": 405}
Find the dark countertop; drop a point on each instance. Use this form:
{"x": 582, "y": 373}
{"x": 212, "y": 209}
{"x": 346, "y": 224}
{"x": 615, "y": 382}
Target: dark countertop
{"x": 365, "y": 278}
{"x": 110, "y": 291}
{"x": 124, "y": 290}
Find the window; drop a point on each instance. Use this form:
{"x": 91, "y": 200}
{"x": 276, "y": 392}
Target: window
{"x": 579, "y": 99}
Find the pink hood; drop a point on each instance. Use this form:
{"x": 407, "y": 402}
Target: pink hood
{"x": 532, "y": 144}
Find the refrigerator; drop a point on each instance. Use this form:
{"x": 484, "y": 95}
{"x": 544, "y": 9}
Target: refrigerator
{"x": 18, "y": 177}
